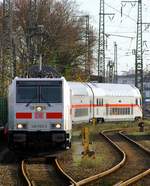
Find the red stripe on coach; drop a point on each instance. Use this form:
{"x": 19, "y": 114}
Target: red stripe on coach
{"x": 23, "y": 115}
{"x": 104, "y": 105}
{"x": 53, "y": 115}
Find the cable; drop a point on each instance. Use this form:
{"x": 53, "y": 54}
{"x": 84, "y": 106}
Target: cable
{"x": 120, "y": 12}
{"x": 122, "y": 19}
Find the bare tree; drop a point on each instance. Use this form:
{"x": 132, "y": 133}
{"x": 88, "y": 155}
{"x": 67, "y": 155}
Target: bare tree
{"x": 53, "y": 29}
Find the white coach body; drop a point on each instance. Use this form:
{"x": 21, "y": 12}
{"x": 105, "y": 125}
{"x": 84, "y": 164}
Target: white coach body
{"x": 116, "y": 102}
{"x": 104, "y": 102}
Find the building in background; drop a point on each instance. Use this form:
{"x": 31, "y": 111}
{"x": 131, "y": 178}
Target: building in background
{"x": 129, "y": 78}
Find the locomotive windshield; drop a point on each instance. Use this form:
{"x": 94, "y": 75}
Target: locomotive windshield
{"x": 39, "y": 91}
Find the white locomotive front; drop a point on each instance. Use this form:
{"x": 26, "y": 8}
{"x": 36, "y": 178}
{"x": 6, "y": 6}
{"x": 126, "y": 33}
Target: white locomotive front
{"x": 39, "y": 114}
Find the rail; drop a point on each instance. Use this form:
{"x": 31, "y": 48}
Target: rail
{"x": 139, "y": 176}
{"x": 31, "y": 182}
{"x": 23, "y": 168}
{"x": 105, "y": 173}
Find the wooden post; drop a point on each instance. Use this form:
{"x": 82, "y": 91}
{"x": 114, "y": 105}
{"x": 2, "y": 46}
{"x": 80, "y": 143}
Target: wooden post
{"x": 85, "y": 140}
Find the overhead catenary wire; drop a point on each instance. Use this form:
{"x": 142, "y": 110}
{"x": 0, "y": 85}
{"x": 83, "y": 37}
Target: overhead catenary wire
{"x": 120, "y": 12}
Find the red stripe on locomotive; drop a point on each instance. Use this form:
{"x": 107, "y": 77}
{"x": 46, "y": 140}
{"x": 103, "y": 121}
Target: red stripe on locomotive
{"x": 23, "y": 115}
{"x": 53, "y": 115}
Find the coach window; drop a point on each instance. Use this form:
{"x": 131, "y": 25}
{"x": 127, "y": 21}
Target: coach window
{"x": 131, "y": 110}
{"x": 107, "y": 110}
{"x": 140, "y": 101}
{"x": 123, "y": 111}
{"x": 115, "y": 111}
{"x": 136, "y": 101}
{"x": 119, "y": 111}
{"x": 81, "y": 112}
{"x": 110, "y": 111}
{"x": 97, "y": 101}
{"x": 126, "y": 111}
{"x": 101, "y": 102}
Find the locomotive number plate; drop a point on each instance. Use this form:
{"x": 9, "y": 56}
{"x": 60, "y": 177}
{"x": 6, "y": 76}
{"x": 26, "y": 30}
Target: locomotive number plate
{"x": 39, "y": 126}
{"x": 39, "y": 115}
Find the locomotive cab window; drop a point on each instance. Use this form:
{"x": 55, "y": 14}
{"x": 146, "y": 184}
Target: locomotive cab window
{"x": 27, "y": 94}
{"x": 50, "y": 94}
{"x": 38, "y": 91}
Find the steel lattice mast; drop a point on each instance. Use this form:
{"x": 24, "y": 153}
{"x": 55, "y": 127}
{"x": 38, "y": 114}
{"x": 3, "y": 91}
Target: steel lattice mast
{"x": 115, "y": 63}
{"x": 139, "y": 51}
{"x": 87, "y": 54}
{"x": 110, "y": 71}
{"x": 31, "y": 29}
{"x": 101, "y": 44}
{"x": 35, "y": 34}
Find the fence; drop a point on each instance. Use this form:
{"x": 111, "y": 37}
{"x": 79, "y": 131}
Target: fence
{"x": 3, "y": 111}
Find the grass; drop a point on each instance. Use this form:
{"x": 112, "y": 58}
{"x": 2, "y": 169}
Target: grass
{"x": 139, "y": 133}
{"x": 105, "y": 158}
{"x": 91, "y": 162}
{"x": 131, "y": 127}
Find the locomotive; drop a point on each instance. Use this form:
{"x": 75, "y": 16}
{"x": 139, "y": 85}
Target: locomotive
{"x": 39, "y": 113}
{"x": 43, "y": 110}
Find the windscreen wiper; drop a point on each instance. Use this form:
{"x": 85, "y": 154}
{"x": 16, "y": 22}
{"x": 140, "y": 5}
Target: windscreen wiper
{"x": 30, "y": 101}
{"x": 45, "y": 101}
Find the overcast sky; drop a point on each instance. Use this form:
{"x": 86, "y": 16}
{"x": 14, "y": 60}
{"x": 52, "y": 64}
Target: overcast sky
{"x": 124, "y": 25}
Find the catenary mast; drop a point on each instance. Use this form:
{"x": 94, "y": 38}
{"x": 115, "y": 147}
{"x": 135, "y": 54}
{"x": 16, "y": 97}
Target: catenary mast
{"x": 139, "y": 53}
{"x": 101, "y": 44}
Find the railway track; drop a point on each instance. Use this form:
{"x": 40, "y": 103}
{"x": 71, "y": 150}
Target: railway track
{"x": 44, "y": 171}
{"x": 133, "y": 169}
{"x": 136, "y": 166}
{"x": 9, "y": 168}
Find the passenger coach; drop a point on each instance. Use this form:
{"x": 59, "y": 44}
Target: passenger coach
{"x": 105, "y": 102}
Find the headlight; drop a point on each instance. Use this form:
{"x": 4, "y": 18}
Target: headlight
{"x": 39, "y": 109}
{"x": 20, "y": 126}
{"x": 58, "y": 125}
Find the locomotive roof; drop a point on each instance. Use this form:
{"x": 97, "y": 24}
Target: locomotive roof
{"x": 37, "y": 79}
{"x": 107, "y": 89}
